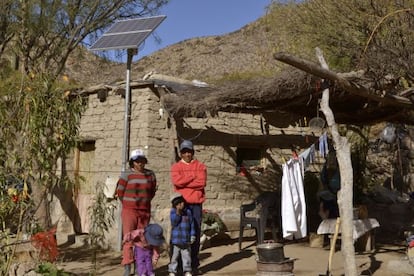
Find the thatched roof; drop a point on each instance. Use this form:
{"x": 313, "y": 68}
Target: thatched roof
{"x": 292, "y": 93}
{"x": 283, "y": 99}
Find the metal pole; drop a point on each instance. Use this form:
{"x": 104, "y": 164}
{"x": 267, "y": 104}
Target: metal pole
{"x": 125, "y": 145}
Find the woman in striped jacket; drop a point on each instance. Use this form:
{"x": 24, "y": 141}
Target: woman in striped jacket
{"x": 135, "y": 189}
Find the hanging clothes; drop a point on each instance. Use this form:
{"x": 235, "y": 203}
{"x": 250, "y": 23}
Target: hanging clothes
{"x": 308, "y": 156}
{"x": 293, "y": 207}
{"x": 323, "y": 145}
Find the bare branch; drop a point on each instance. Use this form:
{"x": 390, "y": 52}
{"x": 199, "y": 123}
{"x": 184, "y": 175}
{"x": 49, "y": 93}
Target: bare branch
{"x": 359, "y": 90}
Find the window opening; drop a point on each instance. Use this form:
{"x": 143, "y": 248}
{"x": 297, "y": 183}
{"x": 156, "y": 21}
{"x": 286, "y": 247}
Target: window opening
{"x": 249, "y": 160}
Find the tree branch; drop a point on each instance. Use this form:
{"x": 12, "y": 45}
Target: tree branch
{"x": 345, "y": 84}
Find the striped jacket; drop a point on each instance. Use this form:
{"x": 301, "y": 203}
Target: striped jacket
{"x": 136, "y": 190}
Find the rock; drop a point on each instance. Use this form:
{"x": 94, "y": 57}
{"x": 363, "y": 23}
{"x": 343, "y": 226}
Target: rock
{"x": 26, "y": 268}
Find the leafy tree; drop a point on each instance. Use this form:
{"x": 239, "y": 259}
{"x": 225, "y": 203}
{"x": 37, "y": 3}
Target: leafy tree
{"x": 39, "y": 112}
{"x": 42, "y": 34}
{"x": 375, "y": 36}
{"x": 40, "y": 126}
{"x": 103, "y": 218}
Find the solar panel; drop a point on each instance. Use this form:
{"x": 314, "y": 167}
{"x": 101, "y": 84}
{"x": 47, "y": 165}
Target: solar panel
{"x": 127, "y": 34}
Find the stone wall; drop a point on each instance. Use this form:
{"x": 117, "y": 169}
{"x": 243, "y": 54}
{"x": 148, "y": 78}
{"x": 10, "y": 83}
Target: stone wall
{"x": 216, "y": 140}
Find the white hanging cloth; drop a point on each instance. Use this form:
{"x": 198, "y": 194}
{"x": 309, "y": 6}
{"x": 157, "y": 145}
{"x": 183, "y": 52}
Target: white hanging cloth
{"x": 293, "y": 201}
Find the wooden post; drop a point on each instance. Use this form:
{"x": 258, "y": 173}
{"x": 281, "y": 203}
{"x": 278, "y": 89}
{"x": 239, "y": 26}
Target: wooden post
{"x": 345, "y": 194}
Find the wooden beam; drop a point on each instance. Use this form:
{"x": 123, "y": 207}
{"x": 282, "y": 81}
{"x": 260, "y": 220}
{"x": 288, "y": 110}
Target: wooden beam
{"x": 315, "y": 69}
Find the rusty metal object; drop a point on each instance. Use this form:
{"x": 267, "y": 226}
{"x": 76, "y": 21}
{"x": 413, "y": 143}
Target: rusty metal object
{"x": 275, "y": 268}
{"x": 270, "y": 252}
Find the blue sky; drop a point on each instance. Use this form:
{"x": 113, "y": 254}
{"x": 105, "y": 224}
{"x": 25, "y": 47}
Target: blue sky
{"x": 197, "y": 18}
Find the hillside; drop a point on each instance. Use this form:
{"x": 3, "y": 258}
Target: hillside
{"x": 245, "y": 51}
{"x": 215, "y": 57}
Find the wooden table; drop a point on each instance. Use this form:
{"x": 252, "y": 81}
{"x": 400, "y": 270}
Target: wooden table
{"x": 363, "y": 228}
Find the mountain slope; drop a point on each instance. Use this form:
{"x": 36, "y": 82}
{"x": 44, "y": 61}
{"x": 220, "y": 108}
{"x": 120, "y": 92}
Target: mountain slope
{"x": 214, "y": 57}
{"x": 246, "y": 51}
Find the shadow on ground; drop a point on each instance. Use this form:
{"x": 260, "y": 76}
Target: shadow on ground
{"x": 374, "y": 263}
{"x": 227, "y": 260}
{"x": 219, "y": 264}
{"x": 85, "y": 255}
{"x": 216, "y": 265}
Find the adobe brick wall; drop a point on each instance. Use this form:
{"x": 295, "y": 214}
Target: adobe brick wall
{"x": 103, "y": 122}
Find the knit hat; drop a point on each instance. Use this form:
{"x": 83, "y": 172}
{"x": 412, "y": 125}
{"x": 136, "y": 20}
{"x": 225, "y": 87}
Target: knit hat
{"x": 176, "y": 198}
{"x": 154, "y": 234}
{"x": 186, "y": 144}
{"x": 137, "y": 154}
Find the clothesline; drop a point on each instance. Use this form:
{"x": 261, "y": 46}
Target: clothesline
{"x": 308, "y": 155}
{"x": 320, "y": 145}
{"x": 293, "y": 207}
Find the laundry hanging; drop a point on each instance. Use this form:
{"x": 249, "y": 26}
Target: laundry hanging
{"x": 308, "y": 157}
{"x": 323, "y": 145}
{"x": 293, "y": 207}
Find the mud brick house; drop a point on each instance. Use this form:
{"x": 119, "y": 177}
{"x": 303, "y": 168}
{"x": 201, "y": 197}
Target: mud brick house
{"x": 243, "y": 130}
{"x": 243, "y": 151}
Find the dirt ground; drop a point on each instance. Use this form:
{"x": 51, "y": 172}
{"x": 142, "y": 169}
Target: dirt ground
{"x": 223, "y": 258}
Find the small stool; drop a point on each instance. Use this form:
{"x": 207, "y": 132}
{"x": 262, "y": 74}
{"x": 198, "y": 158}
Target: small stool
{"x": 366, "y": 243}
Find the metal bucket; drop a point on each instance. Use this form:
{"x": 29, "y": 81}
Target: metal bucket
{"x": 271, "y": 252}
{"x": 280, "y": 268}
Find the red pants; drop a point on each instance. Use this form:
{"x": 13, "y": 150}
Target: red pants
{"x": 131, "y": 220}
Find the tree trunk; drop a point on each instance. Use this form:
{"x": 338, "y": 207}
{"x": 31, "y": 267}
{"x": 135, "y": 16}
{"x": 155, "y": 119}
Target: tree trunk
{"x": 42, "y": 216}
{"x": 345, "y": 194}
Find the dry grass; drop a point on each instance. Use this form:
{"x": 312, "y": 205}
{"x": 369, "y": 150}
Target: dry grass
{"x": 204, "y": 58}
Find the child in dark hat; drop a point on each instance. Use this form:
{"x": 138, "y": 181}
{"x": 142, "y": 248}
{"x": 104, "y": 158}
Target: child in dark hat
{"x": 182, "y": 235}
{"x": 146, "y": 243}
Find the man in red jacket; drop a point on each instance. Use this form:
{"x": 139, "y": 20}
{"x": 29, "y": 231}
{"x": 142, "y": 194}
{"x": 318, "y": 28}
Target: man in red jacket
{"x": 189, "y": 179}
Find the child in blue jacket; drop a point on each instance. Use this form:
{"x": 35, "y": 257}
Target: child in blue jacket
{"x": 182, "y": 235}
